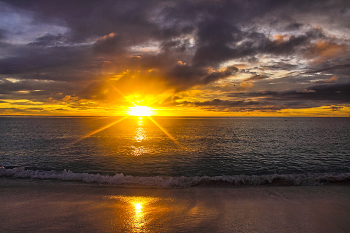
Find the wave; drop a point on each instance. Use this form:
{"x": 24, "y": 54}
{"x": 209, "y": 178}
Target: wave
{"x": 158, "y": 181}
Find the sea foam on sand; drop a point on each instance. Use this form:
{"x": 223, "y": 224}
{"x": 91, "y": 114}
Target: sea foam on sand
{"x": 31, "y": 205}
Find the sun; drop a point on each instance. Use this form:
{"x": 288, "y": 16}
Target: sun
{"x": 140, "y": 111}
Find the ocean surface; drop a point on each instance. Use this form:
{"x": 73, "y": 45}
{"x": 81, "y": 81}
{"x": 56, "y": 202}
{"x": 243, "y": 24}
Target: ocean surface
{"x": 176, "y": 151}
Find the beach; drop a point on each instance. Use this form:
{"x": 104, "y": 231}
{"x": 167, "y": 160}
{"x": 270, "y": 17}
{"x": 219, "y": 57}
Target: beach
{"x": 30, "y": 205}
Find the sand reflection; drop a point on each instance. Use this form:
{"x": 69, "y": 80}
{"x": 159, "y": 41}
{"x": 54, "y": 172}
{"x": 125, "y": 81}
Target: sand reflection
{"x": 138, "y": 220}
{"x": 140, "y": 211}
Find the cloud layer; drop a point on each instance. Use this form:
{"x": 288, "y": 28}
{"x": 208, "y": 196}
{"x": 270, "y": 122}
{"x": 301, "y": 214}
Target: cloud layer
{"x": 225, "y": 56}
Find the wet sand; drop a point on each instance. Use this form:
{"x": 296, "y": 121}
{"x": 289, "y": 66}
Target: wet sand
{"x": 29, "y": 205}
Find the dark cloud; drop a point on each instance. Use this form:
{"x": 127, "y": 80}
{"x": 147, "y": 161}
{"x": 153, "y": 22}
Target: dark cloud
{"x": 333, "y": 79}
{"x": 336, "y": 93}
{"x": 33, "y": 90}
{"x": 184, "y": 76}
{"x": 293, "y": 26}
{"x": 336, "y": 108}
{"x": 330, "y": 68}
{"x": 242, "y": 105}
{"x": 227, "y": 103}
{"x": 48, "y": 40}
{"x": 109, "y": 44}
{"x": 2, "y": 34}
{"x": 279, "y": 66}
{"x": 88, "y": 19}
{"x": 40, "y": 59}
{"x": 256, "y": 78}
{"x": 314, "y": 96}
{"x": 219, "y": 44}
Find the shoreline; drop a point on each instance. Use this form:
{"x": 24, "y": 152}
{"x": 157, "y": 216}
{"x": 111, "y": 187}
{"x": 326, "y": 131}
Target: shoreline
{"x": 58, "y": 206}
{"x": 119, "y": 179}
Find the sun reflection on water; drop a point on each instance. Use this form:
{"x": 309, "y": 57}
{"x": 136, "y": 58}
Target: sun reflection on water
{"x": 140, "y": 136}
{"x": 139, "y": 151}
{"x": 140, "y": 131}
{"x": 140, "y": 122}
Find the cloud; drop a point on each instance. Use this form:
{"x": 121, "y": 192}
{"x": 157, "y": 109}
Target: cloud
{"x": 245, "y": 86}
{"x": 293, "y": 26}
{"x": 242, "y": 105}
{"x": 220, "y": 44}
{"x": 333, "y": 93}
{"x": 109, "y": 44}
{"x": 227, "y": 103}
{"x": 333, "y": 79}
{"x": 330, "y": 68}
{"x": 48, "y": 40}
{"x": 336, "y": 108}
{"x": 2, "y": 34}
{"x": 256, "y": 78}
{"x": 183, "y": 77}
{"x": 327, "y": 49}
{"x": 64, "y": 46}
{"x": 37, "y": 58}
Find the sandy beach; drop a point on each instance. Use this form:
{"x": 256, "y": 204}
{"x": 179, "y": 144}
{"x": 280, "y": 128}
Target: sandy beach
{"x": 29, "y": 205}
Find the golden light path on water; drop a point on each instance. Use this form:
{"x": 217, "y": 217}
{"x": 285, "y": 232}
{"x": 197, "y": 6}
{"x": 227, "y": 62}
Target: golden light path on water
{"x": 140, "y": 131}
{"x": 140, "y": 135}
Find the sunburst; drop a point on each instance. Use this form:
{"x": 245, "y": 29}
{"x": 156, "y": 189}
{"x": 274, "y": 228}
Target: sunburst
{"x": 134, "y": 111}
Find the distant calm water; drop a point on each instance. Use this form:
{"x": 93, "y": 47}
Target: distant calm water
{"x": 192, "y": 146}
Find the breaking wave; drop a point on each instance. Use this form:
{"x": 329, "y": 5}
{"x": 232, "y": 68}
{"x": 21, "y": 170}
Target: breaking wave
{"x": 158, "y": 181}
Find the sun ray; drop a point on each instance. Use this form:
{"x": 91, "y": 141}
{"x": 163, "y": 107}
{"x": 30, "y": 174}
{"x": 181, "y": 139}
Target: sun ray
{"x": 106, "y": 126}
{"x": 121, "y": 93}
{"x": 97, "y": 130}
{"x": 166, "y": 132}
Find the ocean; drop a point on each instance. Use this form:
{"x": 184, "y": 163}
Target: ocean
{"x": 176, "y": 151}
{"x": 174, "y": 174}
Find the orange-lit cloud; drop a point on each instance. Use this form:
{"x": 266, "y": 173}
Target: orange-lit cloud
{"x": 332, "y": 80}
{"x": 245, "y": 86}
{"x": 326, "y": 49}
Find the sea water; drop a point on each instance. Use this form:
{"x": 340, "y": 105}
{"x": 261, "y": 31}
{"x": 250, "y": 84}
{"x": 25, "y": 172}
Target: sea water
{"x": 176, "y": 151}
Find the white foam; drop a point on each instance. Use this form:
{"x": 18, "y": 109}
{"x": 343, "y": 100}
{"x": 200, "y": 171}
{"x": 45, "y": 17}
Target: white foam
{"x": 157, "y": 181}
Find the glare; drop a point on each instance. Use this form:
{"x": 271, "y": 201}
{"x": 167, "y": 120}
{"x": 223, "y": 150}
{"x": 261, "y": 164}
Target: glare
{"x": 138, "y": 207}
{"x": 140, "y": 111}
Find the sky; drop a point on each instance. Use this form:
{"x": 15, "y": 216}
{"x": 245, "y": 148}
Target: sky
{"x": 181, "y": 58}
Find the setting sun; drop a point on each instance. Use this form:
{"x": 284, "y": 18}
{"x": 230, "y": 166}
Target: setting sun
{"x": 140, "y": 111}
